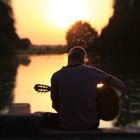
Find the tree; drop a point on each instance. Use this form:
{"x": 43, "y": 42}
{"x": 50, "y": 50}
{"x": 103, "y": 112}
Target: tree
{"x": 81, "y": 34}
{"x": 24, "y": 43}
{"x": 121, "y": 37}
{"x": 120, "y": 40}
{"x": 8, "y": 60}
{"x": 7, "y": 30}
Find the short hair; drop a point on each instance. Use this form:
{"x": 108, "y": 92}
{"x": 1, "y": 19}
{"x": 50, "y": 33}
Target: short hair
{"x": 77, "y": 53}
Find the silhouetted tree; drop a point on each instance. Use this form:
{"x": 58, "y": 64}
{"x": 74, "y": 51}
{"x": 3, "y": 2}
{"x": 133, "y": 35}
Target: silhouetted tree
{"x": 8, "y": 59}
{"x": 23, "y": 44}
{"x": 120, "y": 41}
{"x": 121, "y": 37}
{"x": 26, "y": 43}
{"x": 7, "y": 30}
{"x": 82, "y": 34}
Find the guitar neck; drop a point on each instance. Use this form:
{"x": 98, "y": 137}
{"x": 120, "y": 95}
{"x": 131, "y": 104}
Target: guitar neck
{"x": 42, "y": 88}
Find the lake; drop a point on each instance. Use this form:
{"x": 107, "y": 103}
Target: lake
{"x": 39, "y": 71}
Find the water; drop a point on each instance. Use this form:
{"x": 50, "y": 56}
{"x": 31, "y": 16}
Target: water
{"x": 39, "y": 70}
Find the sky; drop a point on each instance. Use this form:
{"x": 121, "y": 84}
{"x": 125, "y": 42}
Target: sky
{"x": 45, "y": 22}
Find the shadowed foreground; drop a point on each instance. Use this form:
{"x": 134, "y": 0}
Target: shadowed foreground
{"x": 24, "y": 125}
{"x": 29, "y": 127}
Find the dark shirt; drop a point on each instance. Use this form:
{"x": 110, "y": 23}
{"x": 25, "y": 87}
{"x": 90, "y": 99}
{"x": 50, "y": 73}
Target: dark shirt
{"x": 73, "y": 94}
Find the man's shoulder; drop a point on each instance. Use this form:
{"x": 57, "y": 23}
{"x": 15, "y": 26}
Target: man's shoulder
{"x": 89, "y": 67}
{"x": 58, "y": 72}
{"x": 93, "y": 69}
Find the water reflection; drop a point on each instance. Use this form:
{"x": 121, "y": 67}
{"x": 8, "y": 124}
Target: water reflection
{"x": 8, "y": 70}
{"x": 40, "y": 70}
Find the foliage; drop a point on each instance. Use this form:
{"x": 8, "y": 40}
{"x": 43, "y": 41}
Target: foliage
{"x": 7, "y": 30}
{"x": 8, "y": 60}
{"x": 121, "y": 37}
{"x": 23, "y": 44}
{"x": 119, "y": 50}
{"x": 81, "y": 34}
{"x": 9, "y": 39}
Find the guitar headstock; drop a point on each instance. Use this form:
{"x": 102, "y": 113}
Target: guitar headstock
{"x": 42, "y": 88}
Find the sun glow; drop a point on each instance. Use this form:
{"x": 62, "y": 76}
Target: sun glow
{"x": 47, "y": 21}
{"x": 63, "y": 13}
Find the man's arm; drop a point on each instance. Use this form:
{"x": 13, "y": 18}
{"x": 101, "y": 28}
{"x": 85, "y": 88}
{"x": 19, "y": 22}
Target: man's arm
{"x": 54, "y": 94}
{"x": 110, "y": 80}
{"x": 117, "y": 83}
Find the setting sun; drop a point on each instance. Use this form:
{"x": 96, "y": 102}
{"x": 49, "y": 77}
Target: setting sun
{"x": 47, "y": 21}
{"x": 63, "y": 13}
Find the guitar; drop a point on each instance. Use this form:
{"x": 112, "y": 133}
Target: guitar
{"x": 42, "y": 88}
{"x": 108, "y": 100}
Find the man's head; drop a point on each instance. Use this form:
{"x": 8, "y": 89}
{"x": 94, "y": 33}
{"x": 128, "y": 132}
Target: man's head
{"x": 77, "y": 55}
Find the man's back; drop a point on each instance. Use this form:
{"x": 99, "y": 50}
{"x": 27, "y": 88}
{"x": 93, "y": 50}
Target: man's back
{"x": 75, "y": 94}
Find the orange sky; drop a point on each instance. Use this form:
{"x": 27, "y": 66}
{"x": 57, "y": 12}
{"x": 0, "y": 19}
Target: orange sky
{"x": 46, "y": 21}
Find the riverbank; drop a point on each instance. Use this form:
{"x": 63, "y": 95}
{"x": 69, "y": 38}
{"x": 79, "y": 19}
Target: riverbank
{"x": 44, "y": 49}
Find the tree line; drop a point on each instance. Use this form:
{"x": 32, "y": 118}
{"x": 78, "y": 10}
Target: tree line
{"x": 9, "y": 39}
{"x": 9, "y": 43}
{"x": 120, "y": 38}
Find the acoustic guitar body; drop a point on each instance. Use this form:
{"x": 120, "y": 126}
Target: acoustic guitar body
{"x": 108, "y": 103}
